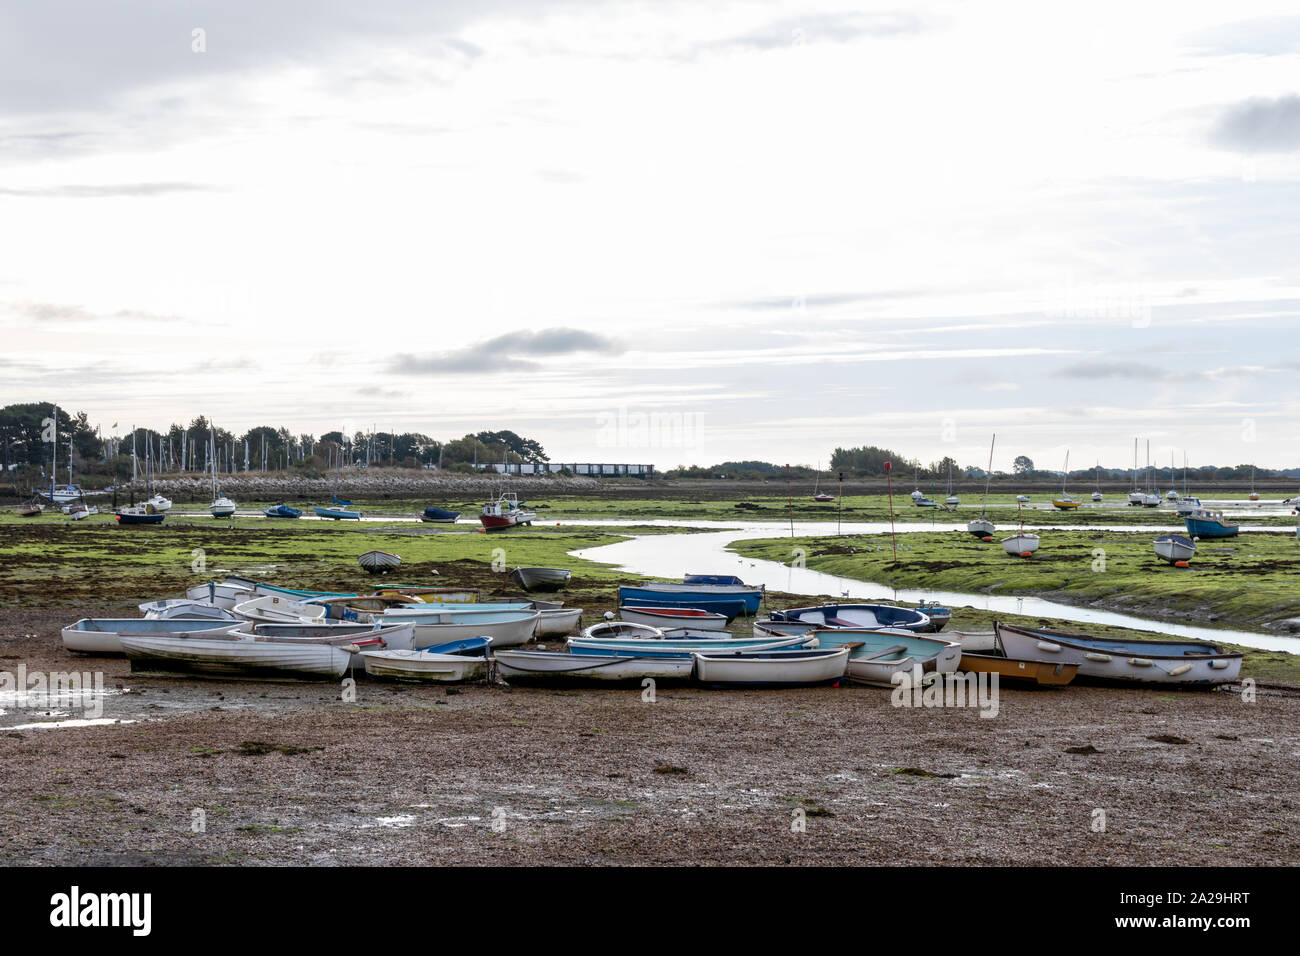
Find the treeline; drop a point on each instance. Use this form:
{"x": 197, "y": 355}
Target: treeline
{"x": 28, "y": 431}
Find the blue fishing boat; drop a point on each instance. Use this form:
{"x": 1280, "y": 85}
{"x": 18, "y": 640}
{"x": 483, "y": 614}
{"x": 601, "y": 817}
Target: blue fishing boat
{"x": 338, "y": 514}
{"x": 440, "y": 515}
{"x": 283, "y": 511}
{"x": 1204, "y": 523}
{"x": 729, "y": 599}
{"x": 865, "y": 616}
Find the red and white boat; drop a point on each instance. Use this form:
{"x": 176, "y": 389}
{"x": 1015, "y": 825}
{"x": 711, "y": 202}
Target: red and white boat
{"x": 674, "y": 617}
{"x": 505, "y": 513}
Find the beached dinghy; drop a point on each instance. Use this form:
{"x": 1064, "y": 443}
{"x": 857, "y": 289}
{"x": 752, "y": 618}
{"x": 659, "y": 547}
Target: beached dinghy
{"x": 557, "y": 621}
{"x": 1174, "y": 548}
{"x": 278, "y": 609}
{"x": 439, "y": 626}
{"x": 621, "y": 630}
{"x": 876, "y": 656}
{"x": 728, "y": 599}
{"x": 282, "y": 511}
{"x": 673, "y": 617}
{"x": 391, "y": 636}
{"x": 379, "y": 562}
{"x": 771, "y": 668}
{"x": 445, "y": 595}
{"x": 184, "y": 609}
{"x": 976, "y": 642}
{"x": 1039, "y": 673}
{"x": 445, "y": 663}
{"x": 246, "y": 656}
{"x": 1021, "y": 544}
{"x": 552, "y": 665}
{"x": 439, "y": 515}
{"x": 1127, "y": 661}
{"x": 541, "y": 579}
{"x": 338, "y": 513}
{"x": 664, "y": 647}
{"x": 867, "y": 616}
{"x": 104, "y": 635}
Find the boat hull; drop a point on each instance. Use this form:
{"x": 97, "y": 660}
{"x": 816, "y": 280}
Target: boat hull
{"x": 800, "y": 668}
{"x": 556, "y": 622}
{"x": 1126, "y": 662}
{"x": 859, "y": 616}
{"x": 422, "y": 666}
{"x": 705, "y": 597}
{"x": 674, "y": 617}
{"x": 238, "y": 658}
{"x": 104, "y": 635}
{"x": 540, "y": 579}
{"x": 553, "y": 665}
{"x": 1040, "y": 673}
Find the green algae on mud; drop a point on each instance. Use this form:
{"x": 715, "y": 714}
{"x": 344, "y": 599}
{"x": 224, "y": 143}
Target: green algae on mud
{"x": 61, "y": 563}
{"x": 1117, "y": 569}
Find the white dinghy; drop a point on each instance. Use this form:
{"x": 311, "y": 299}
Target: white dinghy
{"x": 104, "y": 635}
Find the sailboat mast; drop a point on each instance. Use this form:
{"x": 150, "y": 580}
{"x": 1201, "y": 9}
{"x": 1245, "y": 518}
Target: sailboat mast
{"x": 54, "y": 461}
{"x": 988, "y": 475}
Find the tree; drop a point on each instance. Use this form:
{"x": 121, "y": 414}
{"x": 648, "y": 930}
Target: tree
{"x": 1022, "y": 466}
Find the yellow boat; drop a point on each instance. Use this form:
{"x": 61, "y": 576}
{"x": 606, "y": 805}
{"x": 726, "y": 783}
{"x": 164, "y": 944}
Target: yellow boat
{"x": 1043, "y": 673}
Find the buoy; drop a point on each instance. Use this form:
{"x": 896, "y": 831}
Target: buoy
{"x": 986, "y": 539}
{"x": 1026, "y": 554}
{"x": 1182, "y": 564}
{"x": 1182, "y": 669}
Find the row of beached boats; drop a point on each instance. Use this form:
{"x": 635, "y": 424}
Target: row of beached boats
{"x": 242, "y": 627}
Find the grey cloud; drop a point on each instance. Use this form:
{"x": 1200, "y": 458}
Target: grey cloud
{"x": 1139, "y": 371}
{"x": 833, "y": 27}
{"x": 1260, "y": 125}
{"x": 1262, "y": 36}
{"x": 81, "y": 54}
{"x": 54, "y": 312}
{"x": 813, "y": 301}
{"x": 106, "y": 191}
{"x": 510, "y": 352}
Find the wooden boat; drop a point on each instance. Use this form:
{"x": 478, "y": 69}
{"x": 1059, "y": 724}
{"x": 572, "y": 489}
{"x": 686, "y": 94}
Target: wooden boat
{"x": 504, "y": 513}
{"x": 863, "y": 616}
{"x": 1128, "y": 661}
{"x": 1174, "y": 548}
{"x": 1041, "y": 673}
{"x": 444, "y": 663}
{"x": 507, "y": 628}
{"x": 551, "y": 665}
{"x": 30, "y": 509}
{"x": 283, "y": 511}
{"x": 558, "y": 621}
{"x": 104, "y": 635}
{"x": 674, "y": 616}
{"x": 1204, "y": 523}
{"x": 439, "y": 515}
{"x": 379, "y": 562}
{"x": 178, "y": 609}
{"x": 541, "y": 579}
{"x": 876, "y": 656}
{"x": 338, "y": 513}
{"x": 241, "y": 657}
{"x": 800, "y": 668}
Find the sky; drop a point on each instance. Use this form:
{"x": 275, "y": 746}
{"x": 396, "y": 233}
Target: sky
{"x": 667, "y": 233}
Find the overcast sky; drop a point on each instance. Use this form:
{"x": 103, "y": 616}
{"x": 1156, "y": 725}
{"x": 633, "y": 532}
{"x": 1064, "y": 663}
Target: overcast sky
{"x": 663, "y": 232}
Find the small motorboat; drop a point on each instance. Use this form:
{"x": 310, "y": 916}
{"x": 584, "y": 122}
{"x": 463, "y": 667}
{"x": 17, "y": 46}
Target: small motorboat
{"x": 506, "y": 512}
{"x": 139, "y": 514}
{"x": 379, "y": 562}
{"x": 823, "y": 497}
{"x": 222, "y": 507}
{"x": 439, "y": 515}
{"x": 541, "y": 579}
{"x": 159, "y": 502}
{"x": 1097, "y": 496}
{"x": 283, "y": 511}
{"x": 1204, "y": 523}
{"x": 1174, "y": 548}
{"x": 924, "y": 502}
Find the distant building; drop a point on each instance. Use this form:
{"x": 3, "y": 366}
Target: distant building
{"x": 592, "y": 470}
